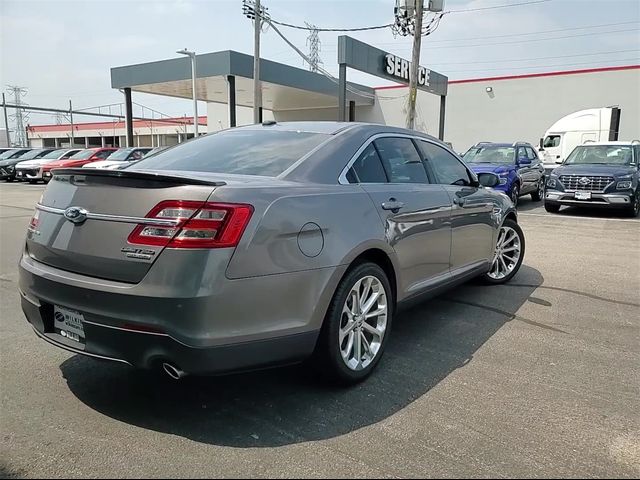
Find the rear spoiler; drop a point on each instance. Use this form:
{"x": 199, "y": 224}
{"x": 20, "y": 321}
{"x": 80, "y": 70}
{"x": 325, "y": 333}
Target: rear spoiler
{"x": 137, "y": 174}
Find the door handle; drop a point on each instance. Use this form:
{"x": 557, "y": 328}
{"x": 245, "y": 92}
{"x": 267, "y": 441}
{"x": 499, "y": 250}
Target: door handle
{"x": 393, "y": 205}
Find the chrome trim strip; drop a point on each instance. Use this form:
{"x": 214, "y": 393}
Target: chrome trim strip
{"x": 157, "y": 334}
{"x": 75, "y": 350}
{"x": 115, "y": 218}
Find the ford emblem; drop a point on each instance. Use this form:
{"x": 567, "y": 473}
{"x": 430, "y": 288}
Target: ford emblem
{"x": 75, "y": 215}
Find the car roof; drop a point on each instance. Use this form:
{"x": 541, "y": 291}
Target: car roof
{"x": 502, "y": 144}
{"x": 614, "y": 144}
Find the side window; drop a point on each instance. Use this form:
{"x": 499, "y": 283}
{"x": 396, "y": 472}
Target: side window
{"x": 401, "y": 160}
{"x": 69, "y": 154}
{"x": 447, "y": 168}
{"x": 522, "y": 153}
{"x": 103, "y": 154}
{"x": 531, "y": 154}
{"x": 367, "y": 168}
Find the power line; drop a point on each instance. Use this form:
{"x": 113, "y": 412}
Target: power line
{"x": 508, "y": 5}
{"x": 540, "y": 32}
{"x": 590, "y": 34}
{"x": 498, "y": 60}
{"x": 357, "y": 29}
{"x": 635, "y": 59}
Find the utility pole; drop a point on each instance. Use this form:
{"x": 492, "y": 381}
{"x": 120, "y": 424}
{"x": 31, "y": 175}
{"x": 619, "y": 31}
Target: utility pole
{"x": 415, "y": 64}
{"x": 257, "y": 88}
{"x": 6, "y": 121}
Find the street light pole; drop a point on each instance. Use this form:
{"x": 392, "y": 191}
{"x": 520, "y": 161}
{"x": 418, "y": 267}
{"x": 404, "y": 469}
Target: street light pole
{"x": 192, "y": 56}
{"x": 257, "y": 89}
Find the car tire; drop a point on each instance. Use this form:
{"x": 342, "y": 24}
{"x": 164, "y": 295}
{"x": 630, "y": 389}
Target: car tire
{"x": 551, "y": 208}
{"x": 515, "y": 194}
{"x": 539, "y": 193}
{"x": 508, "y": 255}
{"x": 330, "y": 358}
{"x": 634, "y": 210}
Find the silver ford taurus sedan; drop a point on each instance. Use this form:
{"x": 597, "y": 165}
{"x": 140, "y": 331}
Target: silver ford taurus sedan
{"x": 260, "y": 246}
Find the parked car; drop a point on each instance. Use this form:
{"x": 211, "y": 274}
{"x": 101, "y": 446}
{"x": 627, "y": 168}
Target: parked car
{"x": 603, "y": 174}
{"x": 8, "y": 167}
{"x": 31, "y": 170}
{"x": 120, "y": 158}
{"x": 81, "y": 158}
{"x": 517, "y": 164}
{"x": 260, "y": 245}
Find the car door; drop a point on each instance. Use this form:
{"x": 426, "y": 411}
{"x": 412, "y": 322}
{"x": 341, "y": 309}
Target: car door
{"x": 415, "y": 212}
{"x": 472, "y": 225}
{"x": 526, "y": 172}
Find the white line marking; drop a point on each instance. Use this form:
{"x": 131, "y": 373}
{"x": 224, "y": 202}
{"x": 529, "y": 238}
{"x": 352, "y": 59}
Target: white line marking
{"x": 580, "y": 218}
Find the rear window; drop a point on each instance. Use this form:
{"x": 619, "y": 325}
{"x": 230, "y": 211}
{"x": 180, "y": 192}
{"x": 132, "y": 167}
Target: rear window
{"x": 246, "y": 152}
{"x": 82, "y": 155}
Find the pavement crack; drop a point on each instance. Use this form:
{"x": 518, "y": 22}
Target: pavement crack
{"x": 576, "y": 292}
{"x": 511, "y": 316}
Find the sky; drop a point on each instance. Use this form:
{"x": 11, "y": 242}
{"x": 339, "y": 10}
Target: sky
{"x": 61, "y": 50}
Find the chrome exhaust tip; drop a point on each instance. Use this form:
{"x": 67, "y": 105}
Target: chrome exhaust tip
{"x": 173, "y": 371}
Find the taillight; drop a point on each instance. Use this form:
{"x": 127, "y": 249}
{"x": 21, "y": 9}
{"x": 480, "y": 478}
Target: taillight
{"x": 197, "y": 225}
{"x": 34, "y": 222}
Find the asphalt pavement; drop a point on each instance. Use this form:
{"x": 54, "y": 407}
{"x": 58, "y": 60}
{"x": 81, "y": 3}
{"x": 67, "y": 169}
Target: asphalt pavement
{"x": 540, "y": 377}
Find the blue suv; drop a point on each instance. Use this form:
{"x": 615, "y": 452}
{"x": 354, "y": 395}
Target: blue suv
{"x": 517, "y": 164}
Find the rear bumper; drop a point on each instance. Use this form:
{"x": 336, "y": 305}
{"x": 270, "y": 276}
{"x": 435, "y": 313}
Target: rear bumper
{"x": 604, "y": 200}
{"x": 150, "y": 351}
{"x": 237, "y": 325}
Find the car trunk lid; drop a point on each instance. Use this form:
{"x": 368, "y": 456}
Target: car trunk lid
{"x": 85, "y": 219}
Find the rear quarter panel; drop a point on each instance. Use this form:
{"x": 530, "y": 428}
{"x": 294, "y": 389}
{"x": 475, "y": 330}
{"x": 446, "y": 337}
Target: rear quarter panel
{"x": 302, "y": 228}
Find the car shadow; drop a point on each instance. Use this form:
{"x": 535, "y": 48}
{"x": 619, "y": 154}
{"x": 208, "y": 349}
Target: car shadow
{"x": 291, "y": 405}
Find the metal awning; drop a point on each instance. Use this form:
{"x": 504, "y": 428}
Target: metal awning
{"x": 283, "y": 87}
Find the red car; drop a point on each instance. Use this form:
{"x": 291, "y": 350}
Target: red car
{"x": 78, "y": 160}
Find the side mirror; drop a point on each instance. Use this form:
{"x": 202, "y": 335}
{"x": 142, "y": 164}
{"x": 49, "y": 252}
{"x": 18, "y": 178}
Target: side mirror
{"x": 542, "y": 144}
{"x": 488, "y": 179}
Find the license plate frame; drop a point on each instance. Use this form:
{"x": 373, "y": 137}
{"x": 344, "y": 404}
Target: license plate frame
{"x": 69, "y": 324}
{"x": 583, "y": 196}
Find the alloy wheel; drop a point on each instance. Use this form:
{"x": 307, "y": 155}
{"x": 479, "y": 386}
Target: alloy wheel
{"x": 363, "y": 323}
{"x": 515, "y": 194}
{"x": 506, "y": 254}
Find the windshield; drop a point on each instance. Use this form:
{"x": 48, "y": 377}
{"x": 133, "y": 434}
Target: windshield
{"x": 53, "y": 155}
{"x": 8, "y": 154}
{"x": 600, "y": 155}
{"x": 552, "y": 141}
{"x": 245, "y": 152}
{"x": 31, "y": 155}
{"x": 121, "y": 155}
{"x": 489, "y": 154}
{"x": 82, "y": 155}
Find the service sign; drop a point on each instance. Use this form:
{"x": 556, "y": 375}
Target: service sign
{"x": 400, "y": 68}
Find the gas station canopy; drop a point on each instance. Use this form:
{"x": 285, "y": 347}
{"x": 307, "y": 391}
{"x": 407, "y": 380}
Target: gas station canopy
{"x": 283, "y": 87}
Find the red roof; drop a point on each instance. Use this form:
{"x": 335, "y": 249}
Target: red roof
{"x": 158, "y": 122}
{"x": 528, "y": 75}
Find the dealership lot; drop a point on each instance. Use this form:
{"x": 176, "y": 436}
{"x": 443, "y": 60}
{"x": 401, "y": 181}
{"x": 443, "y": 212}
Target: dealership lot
{"x": 539, "y": 377}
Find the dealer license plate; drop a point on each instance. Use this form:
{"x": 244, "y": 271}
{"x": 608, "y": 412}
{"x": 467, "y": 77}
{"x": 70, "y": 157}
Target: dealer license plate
{"x": 583, "y": 195}
{"x": 68, "y": 323}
